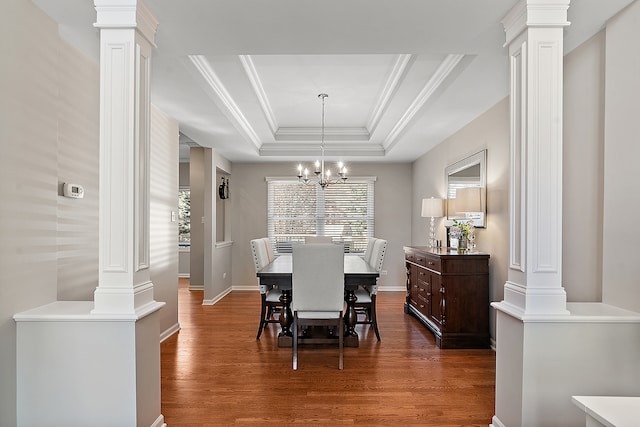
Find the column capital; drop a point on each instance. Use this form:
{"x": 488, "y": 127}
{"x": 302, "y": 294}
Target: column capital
{"x": 535, "y": 13}
{"x": 126, "y": 14}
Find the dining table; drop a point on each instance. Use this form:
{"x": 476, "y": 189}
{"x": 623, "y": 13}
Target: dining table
{"x": 357, "y": 272}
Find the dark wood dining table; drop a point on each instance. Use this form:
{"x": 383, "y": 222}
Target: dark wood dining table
{"x": 357, "y": 272}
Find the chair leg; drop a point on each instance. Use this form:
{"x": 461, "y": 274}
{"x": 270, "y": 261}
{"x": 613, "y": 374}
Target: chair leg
{"x": 341, "y": 342}
{"x": 374, "y": 316}
{"x": 295, "y": 342}
{"x": 263, "y": 313}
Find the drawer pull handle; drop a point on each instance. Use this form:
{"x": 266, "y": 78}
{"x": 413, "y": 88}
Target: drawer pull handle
{"x": 431, "y": 263}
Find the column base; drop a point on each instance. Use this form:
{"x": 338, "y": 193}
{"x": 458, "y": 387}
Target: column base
{"x": 522, "y": 301}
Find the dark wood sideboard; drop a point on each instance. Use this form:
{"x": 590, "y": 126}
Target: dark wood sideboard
{"x": 449, "y": 293}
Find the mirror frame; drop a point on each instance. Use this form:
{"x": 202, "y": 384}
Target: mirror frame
{"x": 479, "y": 158}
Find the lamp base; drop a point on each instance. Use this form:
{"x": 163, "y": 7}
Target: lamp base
{"x": 431, "y": 242}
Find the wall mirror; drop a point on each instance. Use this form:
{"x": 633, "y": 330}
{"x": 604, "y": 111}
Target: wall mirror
{"x": 466, "y": 189}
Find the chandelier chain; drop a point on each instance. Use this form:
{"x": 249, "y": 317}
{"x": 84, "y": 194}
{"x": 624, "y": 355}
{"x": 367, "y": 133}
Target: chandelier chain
{"x": 323, "y": 178}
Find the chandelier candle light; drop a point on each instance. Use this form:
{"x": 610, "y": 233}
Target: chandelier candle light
{"x": 323, "y": 177}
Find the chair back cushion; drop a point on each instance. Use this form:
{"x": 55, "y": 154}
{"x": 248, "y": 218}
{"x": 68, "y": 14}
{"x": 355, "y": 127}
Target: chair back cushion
{"x": 260, "y": 256}
{"x": 377, "y": 254}
{"x": 367, "y": 252}
{"x": 318, "y": 277}
{"x": 270, "y": 254}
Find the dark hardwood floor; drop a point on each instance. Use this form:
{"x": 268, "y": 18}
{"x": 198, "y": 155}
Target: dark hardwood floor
{"x": 215, "y": 373}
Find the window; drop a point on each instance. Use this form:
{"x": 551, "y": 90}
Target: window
{"x": 341, "y": 211}
{"x": 184, "y": 217}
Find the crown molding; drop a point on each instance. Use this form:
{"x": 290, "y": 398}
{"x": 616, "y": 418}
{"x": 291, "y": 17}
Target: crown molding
{"x": 436, "y": 80}
{"x": 331, "y": 150}
{"x": 314, "y": 134}
{"x": 233, "y": 111}
{"x": 390, "y": 87}
{"x": 258, "y": 89}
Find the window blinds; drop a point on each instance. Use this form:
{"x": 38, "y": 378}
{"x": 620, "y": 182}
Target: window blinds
{"x": 344, "y": 212}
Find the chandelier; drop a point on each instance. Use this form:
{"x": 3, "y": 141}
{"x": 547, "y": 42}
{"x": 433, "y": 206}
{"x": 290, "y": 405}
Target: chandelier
{"x": 322, "y": 176}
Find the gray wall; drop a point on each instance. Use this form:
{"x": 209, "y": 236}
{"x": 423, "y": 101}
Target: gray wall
{"x": 49, "y": 134}
{"x": 163, "y": 223}
{"x": 197, "y": 186}
{"x": 249, "y": 213}
{"x": 621, "y": 154}
{"x": 29, "y": 116}
{"x": 489, "y": 131}
{"x": 583, "y": 170}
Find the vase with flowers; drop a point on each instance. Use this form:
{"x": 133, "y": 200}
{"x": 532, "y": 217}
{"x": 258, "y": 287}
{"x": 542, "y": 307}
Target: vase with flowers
{"x": 464, "y": 232}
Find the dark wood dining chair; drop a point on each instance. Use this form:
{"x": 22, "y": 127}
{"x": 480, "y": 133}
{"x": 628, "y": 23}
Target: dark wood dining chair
{"x": 366, "y": 296}
{"x": 317, "y": 294}
{"x": 269, "y": 295}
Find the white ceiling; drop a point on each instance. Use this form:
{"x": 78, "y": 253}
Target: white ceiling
{"x": 242, "y": 77}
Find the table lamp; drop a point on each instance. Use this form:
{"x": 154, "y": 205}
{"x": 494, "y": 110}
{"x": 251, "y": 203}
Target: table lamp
{"x": 432, "y": 208}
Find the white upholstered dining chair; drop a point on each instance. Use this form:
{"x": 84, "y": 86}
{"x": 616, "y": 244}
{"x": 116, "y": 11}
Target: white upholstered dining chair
{"x": 317, "y": 294}
{"x": 269, "y": 296}
{"x": 366, "y": 295}
{"x": 318, "y": 239}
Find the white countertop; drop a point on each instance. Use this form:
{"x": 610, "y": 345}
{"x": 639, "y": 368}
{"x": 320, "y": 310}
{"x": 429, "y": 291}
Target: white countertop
{"x": 611, "y": 411}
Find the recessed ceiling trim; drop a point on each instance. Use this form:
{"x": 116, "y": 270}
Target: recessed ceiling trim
{"x": 234, "y": 112}
{"x": 390, "y": 87}
{"x": 438, "y": 78}
{"x": 314, "y": 133}
{"x": 309, "y": 150}
{"x": 256, "y": 84}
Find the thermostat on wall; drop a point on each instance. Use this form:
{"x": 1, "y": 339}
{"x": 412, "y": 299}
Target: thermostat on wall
{"x": 73, "y": 190}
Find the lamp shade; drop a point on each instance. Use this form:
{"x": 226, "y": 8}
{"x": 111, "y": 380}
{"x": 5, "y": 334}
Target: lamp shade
{"x": 432, "y": 208}
{"x": 469, "y": 199}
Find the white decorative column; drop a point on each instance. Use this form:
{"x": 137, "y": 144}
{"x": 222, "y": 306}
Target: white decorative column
{"x": 534, "y": 33}
{"x": 533, "y": 292}
{"x": 127, "y": 31}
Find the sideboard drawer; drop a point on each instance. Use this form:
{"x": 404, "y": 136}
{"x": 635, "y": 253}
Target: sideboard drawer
{"x": 433, "y": 263}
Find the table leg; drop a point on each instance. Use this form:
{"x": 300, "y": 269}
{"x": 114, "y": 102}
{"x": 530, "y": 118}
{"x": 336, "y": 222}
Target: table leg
{"x": 286, "y": 317}
{"x": 350, "y": 317}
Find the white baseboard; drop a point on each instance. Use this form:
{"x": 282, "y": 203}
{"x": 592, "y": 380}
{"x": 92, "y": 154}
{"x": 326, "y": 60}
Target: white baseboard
{"x": 217, "y": 298}
{"x": 495, "y": 422}
{"x": 169, "y": 331}
{"x": 245, "y": 288}
{"x": 184, "y": 276}
{"x": 159, "y": 422}
{"x": 196, "y": 287}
